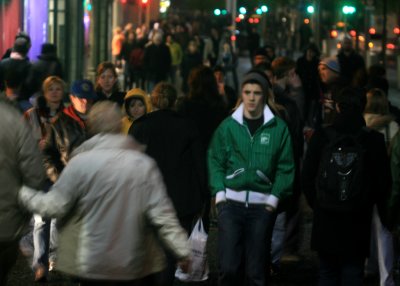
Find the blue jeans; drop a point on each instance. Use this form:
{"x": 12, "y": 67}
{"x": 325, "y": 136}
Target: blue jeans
{"x": 44, "y": 241}
{"x": 244, "y": 234}
{"x": 341, "y": 271}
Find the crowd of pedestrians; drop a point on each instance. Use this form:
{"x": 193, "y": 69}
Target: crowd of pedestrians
{"x": 116, "y": 177}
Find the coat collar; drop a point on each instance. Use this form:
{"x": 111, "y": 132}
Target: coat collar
{"x": 238, "y": 114}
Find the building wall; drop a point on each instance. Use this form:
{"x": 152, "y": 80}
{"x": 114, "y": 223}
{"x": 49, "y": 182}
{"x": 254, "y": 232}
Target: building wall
{"x": 11, "y": 9}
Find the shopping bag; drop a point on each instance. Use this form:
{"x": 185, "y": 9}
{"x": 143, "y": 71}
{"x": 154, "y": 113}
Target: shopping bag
{"x": 199, "y": 267}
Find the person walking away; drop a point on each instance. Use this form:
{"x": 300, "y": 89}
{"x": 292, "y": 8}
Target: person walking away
{"x": 251, "y": 172}
{"x": 345, "y": 173}
{"x": 113, "y": 218}
{"x": 173, "y": 141}
{"x": 21, "y": 164}
{"x": 191, "y": 59}
{"x": 377, "y": 117}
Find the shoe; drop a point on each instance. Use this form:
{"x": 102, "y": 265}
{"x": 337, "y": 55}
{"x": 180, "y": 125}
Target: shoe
{"x": 52, "y": 265}
{"x": 40, "y": 274}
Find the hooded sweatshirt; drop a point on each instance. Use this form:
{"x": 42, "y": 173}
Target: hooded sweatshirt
{"x": 135, "y": 93}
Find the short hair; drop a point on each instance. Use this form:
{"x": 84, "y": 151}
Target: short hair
{"x": 22, "y": 46}
{"x": 164, "y": 96}
{"x": 102, "y": 67}
{"x": 377, "y": 102}
{"x": 281, "y": 66}
{"x": 350, "y": 99}
{"x": 104, "y": 117}
{"x": 50, "y": 81}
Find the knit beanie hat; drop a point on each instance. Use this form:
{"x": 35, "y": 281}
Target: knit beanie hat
{"x": 331, "y": 63}
{"x": 259, "y": 77}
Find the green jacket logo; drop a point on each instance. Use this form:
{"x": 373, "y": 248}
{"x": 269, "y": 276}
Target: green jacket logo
{"x": 264, "y": 138}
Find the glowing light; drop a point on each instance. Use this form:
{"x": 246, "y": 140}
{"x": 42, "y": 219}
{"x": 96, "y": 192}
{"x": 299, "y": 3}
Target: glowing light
{"x": 238, "y": 19}
{"x": 348, "y": 9}
{"x": 396, "y": 30}
{"x": 251, "y": 20}
{"x": 258, "y": 11}
{"x": 306, "y": 21}
{"x": 242, "y": 10}
{"x": 390, "y": 46}
{"x": 361, "y": 38}
{"x": 224, "y": 12}
{"x": 370, "y": 45}
{"x": 233, "y": 38}
{"x": 372, "y": 31}
{"x": 256, "y": 20}
{"x": 338, "y": 46}
{"x": 86, "y": 19}
{"x": 264, "y": 8}
{"x": 241, "y": 16}
{"x": 217, "y": 12}
{"x": 334, "y": 34}
{"x": 353, "y": 33}
{"x": 310, "y": 9}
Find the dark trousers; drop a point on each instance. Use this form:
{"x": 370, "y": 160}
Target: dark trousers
{"x": 244, "y": 234}
{"x": 8, "y": 257}
{"x": 343, "y": 271}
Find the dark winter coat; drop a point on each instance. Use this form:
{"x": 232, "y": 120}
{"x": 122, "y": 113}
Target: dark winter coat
{"x": 47, "y": 65}
{"x": 174, "y": 143}
{"x": 67, "y": 132}
{"x": 347, "y": 234}
{"x": 157, "y": 62}
{"x": 116, "y": 96}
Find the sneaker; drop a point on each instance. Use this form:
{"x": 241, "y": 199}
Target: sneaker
{"x": 52, "y": 265}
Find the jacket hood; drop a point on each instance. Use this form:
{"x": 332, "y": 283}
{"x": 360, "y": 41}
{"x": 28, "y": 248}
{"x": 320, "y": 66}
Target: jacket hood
{"x": 104, "y": 141}
{"x": 377, "y": 121}
{"x": 137, "y": 93}
{"x": 238, "y": 114}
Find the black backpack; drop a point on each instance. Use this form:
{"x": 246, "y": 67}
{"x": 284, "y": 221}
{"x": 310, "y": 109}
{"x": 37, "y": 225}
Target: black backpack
{"x": 340, "y": 177}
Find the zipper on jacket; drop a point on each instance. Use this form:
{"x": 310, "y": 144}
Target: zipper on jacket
{"x": 247, "y": 199}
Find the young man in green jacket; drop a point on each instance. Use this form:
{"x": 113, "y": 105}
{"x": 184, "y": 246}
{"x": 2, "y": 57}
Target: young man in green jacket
{"x": 251, "y": 170}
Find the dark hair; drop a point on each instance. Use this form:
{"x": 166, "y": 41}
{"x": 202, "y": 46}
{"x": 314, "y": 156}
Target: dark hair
{"x": 265, "y": 66}
{"x": 203, "y": 84}
{"x": 22, "y": 46}
{"x": 281, "y": 66}
{"x": 377, "y": 102}
{"x": 350, "y": 99}
{"x": 13, "y": 77}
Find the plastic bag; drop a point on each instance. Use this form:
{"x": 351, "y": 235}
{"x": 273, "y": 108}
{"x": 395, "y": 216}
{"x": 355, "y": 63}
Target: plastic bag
{"x": 199, "y": 267}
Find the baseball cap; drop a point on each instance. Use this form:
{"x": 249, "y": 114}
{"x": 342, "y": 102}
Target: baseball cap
{"x": 331, "y": 63}
{"x": 83, "y": 89}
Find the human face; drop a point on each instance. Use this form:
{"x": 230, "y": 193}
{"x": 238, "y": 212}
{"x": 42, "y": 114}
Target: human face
{"x": 107, "y": 80}
{"x": 82, "y": 105}
{"x": 327, "y": 76}
{"x": 136, "y": 108}
{"x": 253, "y": 100}
{"x": 54, "y": 93}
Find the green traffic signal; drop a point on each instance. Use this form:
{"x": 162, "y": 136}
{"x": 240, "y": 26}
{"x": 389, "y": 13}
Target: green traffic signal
{"x": 217, "y": 12}
{"x": 348, "y": 9}
{"x": 258, "y": 11}
{"x": 264, "y": 8}
{"x": 242, "y": 10}
{"x": 310, "y": 9}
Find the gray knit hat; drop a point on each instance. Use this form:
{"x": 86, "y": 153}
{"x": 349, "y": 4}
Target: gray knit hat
{"x": 331, "y": 63}
{"x": 259, "y": 77}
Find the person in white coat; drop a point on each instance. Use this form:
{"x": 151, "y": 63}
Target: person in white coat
{"x": 110, "y": 201}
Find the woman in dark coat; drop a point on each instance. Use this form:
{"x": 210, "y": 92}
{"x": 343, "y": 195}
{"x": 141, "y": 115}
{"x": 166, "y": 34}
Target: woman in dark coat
{"x": 107, "y": 87}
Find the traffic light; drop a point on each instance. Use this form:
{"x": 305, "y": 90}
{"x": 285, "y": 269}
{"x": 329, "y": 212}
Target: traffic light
{"x": 372, "y": 31}
{"x": 217, "y": 12}
{"x": 353, "y": 33}
{"x": 242, "y": 10}
{"x": 396, "y": 30}
{"x": 333, "y": 33}
{"x": 348, "y": 9}
{"x": 310, "y": 9}
{"x": 264, "y": 8}
{"x": 258, "y": 11}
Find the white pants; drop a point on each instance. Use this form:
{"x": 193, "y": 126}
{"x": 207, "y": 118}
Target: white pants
{"x": 382, "y": 252}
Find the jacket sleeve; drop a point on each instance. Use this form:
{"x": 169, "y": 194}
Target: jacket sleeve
{"x": 310, "y": 167}
{"x": 394, "y": 203}
{"x": 61, "y": 197}
{"x": 161, "y": 215}
{"x": 217, "y": 159}
{"x": 52, "y": 155}
{"x": 285, "y": 170}
{"x": 30, "y": 161}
